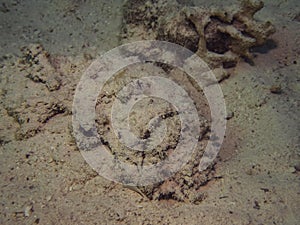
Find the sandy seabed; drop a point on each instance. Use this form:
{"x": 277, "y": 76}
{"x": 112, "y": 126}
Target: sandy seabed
{"x": 44, "y": 178}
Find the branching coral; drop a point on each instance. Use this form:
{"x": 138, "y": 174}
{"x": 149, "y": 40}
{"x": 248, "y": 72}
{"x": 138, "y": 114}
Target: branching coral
{"x": 221, "y": 37}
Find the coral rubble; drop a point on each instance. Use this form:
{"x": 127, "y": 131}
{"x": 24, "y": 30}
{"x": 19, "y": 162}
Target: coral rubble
{"x": 221, "y": 37}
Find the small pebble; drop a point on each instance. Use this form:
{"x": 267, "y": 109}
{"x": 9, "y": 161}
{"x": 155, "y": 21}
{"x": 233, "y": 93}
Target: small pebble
{"x": 27, "y": 210}
{"x": 297, "y": 17}
{"x": 297, "y": 166}
{"x": 292, "y": 169}
{"x": 229, "y": 115}
{"x": 49, "y": 197}
{"x": 276, "y": 89}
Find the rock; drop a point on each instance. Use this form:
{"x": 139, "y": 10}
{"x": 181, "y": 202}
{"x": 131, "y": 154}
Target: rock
{"x": 276, "y": 89}
{"x": 297, "y": 166}
{"x": 229, "y": 115}
{"x": 28, "y": 209}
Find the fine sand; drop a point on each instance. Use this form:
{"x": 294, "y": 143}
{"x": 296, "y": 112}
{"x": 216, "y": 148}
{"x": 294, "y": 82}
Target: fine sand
{"x": 44, "y": 178}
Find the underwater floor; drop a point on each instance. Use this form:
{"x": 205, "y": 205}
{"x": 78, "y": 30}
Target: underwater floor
{"x": 46, "y": 47}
